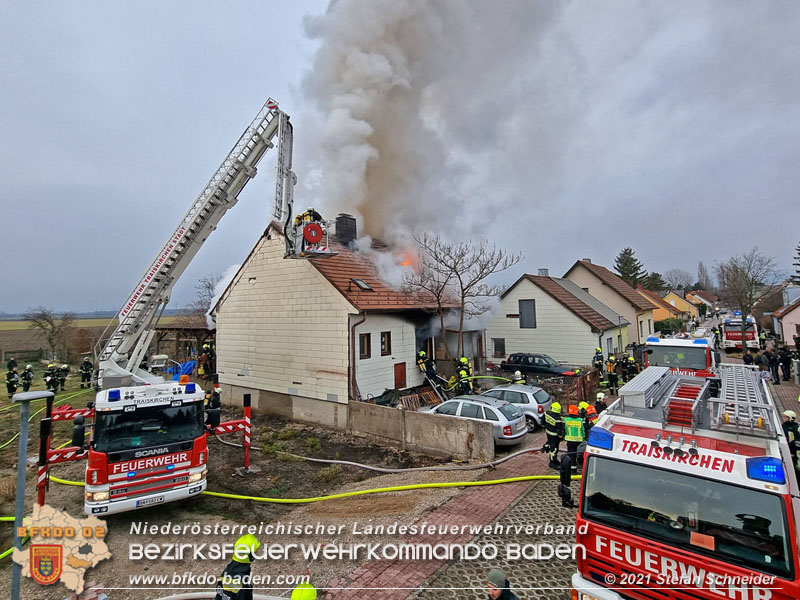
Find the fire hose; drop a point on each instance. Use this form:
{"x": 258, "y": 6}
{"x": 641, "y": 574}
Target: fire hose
{"x": 57, "y": 402}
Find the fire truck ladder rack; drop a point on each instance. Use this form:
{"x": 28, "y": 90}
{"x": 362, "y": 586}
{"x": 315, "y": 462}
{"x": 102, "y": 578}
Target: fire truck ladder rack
{"x": 742, "y": 407}
{"x": 683, "y": 406}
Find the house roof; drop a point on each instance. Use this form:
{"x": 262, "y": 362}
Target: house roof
{"x": 657, "y": 300}
{"x": 592, "y": 302}
{"x": 348, "y": 265}
{"x": 704, "y": 295}
{"x": 785, "y": 310}
{"x": 615, "y": 282}
{"x": 559, "y": 293}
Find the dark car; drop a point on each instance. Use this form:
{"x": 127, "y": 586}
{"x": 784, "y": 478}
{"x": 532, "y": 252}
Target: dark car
{"x": 534, "y": 364}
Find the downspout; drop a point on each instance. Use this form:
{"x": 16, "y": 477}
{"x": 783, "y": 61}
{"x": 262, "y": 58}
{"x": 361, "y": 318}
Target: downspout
{"x": 352, "y": 368}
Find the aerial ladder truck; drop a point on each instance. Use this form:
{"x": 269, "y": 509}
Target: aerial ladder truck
{"x": 148, "y": 442}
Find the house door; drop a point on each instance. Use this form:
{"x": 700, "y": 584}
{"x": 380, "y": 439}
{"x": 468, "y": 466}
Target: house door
{"x": 400, "y": 376}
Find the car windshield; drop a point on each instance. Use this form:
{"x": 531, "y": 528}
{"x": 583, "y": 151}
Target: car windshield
{"x": 147, "y": 426}
{"x": 550, "y": 362}
{"x": 691, "y": 513}
{"x": 511, "y": 413}
{"x": 672, "y": 356}
{"x": 541, "y": 396}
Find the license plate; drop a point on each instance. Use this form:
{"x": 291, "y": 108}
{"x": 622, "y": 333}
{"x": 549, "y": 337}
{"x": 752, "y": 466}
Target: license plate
{"x": 149, "y": 501}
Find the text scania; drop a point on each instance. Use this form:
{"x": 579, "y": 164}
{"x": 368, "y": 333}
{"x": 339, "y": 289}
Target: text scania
{"x": 713, "y": 463}
{"x": 149, "y": 463}
{"x": 670, "y": 570}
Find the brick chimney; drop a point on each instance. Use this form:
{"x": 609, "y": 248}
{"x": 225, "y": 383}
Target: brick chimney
{"x": 345, "y": 229}
{"x": 544, "y": 272}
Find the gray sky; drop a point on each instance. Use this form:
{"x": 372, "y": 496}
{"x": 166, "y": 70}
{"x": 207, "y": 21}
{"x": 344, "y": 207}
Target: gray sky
{"x": 564, "y": 130}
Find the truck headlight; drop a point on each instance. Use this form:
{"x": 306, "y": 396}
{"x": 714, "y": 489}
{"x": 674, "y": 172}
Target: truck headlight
{"x": 195, "y": 477}
{"x": 96, "y": 496}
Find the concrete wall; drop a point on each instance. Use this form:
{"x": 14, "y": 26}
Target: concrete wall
{"x": 559, "y": 332}
{"x": 420, "y": 432}
{"x": 376, "y": 374}
{"x": 283, "y": 328}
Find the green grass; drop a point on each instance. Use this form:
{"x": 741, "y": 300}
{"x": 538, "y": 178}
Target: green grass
{"x": 17, "y": 325}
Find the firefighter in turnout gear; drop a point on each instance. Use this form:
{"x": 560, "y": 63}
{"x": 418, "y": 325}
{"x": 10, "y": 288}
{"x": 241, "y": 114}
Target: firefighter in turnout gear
{"x": 27, "y": 378}
{"x": 463, "y": 364}
{"x": 51, "y": 378}
{"x": 12, "y": 381}
{"x": 234, "y": 583}
{"x": 600, "y": 403}
{"x": 597, "y": 360}
{"x": 518, "y": 378}
{"x": 631, "y": 368}
{"x": 554, "y": 429}
{"x": 574, "y": 430}
{"x": 464, "y": 386}
{"x": 86, "y": 369}
{"x": 611, "y": 370}
{"x": 428, "y": 366}
{"x": 63, "y": 371}
{"x": 590, "y": 419}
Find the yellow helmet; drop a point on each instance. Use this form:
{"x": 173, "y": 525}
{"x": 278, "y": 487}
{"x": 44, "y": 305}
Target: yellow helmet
{"x": 51, "y": 366}
{"x": 583, "y": 405}
{"x": 611, "y": 358}
{"x": 464, "y": 360}
{"x": 556, "y": 407}
{"x": 630, "y": 358}
{"x": 304, "y": 591}
{"x": 598, "y": 349}
{"x": 249, "y": 542}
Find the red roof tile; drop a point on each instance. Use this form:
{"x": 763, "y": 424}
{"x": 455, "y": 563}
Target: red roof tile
{"x": 616, "y": 282}
{"x": 597, "y": 321}
{"x": 658, "y": 300}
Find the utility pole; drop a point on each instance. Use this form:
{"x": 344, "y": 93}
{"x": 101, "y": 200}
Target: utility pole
{"x": 24, "y": 400}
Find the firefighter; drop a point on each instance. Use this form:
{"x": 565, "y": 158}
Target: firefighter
{"x": 463, "y": 381}
{"x": 574, "y": 430}
{"x": 463, "y": 363}
{"x": 234, "y": 583}
{"x": 63, "y": 371}
{"x": 421, "y": 357}
{"x": 611, "y": 371}
{"x": 12, "y": 381}
{"x": 582, "y": 406}
{"x": 791, "y": 430}
{"x": 310, "y": 216}
{"x": 51, "y": 378}
{"x": 12, "y": 362}
{"x": 304, "y": 591}
{"x": 597, "y": 360}
{"x": 86, "y": 369}
{"x": 27, "y": 378}
{"x": 518, "y": 378}
{"x": 633, "y": 368}
{"x": 570, "y": 463}
{"x": 600, "y": 403}
{"x": 554, "y": 429}
{"x": 590, "y": 420}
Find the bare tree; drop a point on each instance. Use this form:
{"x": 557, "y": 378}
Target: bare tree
{"x": 56, "y": 328}
{"x": 467, "y": 267}
{"x": 744, "y": 280}
{"x": 703, "y": 277}
{"x": 193, "y": 315}
{"x": 677, "y": 279}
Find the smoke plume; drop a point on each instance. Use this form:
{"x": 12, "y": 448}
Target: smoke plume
{"x": 412, "y": 102}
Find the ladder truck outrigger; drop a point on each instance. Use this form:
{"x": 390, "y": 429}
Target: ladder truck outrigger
{"x": 148, "y": 440}
{"x": 689, "y": 495}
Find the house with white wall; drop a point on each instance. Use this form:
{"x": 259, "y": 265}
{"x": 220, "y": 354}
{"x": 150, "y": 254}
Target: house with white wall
{"x": 303, "y": 337}
{"x": 612, "y": 291}
{"x": 786, "y": 322}
{"x": 553, "y": 316}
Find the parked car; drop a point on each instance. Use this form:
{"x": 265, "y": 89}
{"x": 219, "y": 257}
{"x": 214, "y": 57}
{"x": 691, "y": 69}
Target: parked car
{"x": 508, "y": 422}
{"x": 531, "y": 400}
{"x": 535, "y": 364}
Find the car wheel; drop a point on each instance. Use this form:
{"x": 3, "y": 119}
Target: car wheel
{"x": 531, "y": 423}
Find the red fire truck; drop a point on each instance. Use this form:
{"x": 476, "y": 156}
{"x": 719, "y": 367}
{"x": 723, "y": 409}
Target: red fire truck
{"x": 732, "y": 332}
{"x": 682, "y": 356}
{"x": 688, "y": 496}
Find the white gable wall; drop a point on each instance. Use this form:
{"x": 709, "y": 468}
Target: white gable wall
{"x": 559, "y": 332}
{"x": 376, "y": 374}
{"x": 284, "y": 328}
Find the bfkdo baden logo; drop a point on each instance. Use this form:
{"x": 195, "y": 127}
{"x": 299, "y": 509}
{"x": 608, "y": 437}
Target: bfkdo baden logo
{"x": 61, "y": 547}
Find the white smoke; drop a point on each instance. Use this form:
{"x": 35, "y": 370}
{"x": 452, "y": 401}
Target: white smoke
{"x": 413, "y": 101}
{"x": 390, "y": 271}
{"x": 219, "y": 289}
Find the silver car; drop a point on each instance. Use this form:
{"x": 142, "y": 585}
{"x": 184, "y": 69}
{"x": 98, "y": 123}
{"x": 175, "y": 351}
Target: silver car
{"x": 531, "y": 400}
{"x": 508, "y": 422}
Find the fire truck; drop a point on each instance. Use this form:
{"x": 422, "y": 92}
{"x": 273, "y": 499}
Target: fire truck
{"x": 732, "y": 332}
{"x": 682, "y": 356}
{"x": 688, "y": 496}
{"x": 148, "y": 439}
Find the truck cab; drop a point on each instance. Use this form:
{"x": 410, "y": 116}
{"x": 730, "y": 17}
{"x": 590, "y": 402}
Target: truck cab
{"x": 686, "y": 495}
{"x": 147, "y": 446}
{"x": 695, "y": 356}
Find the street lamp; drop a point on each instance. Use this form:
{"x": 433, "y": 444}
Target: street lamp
{"x": 24, "y": 400}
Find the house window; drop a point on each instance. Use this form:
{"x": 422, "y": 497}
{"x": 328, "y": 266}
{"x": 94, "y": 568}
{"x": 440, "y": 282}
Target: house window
{"x": 619, "y": 342}
{"x": 610, "y": 345}
{"x": 649, "y": 326}
{"x": 499, "y": 345}
{"x": 527, "y": 314}
{"x": 386, "y": 343}
{"x": 641, "y": 328}
{"x": 365, "y": 345}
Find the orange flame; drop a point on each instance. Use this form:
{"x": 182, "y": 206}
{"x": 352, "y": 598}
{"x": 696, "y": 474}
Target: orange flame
{"x": 408, "y": 258}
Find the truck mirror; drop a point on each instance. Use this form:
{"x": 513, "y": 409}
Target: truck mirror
{"x": 717, "y": 358}
{"x": 78, "y": 432}
{"x": 212, "y": 418}
{"x": 90, "y": 405}
{"x": 649, "y": 350}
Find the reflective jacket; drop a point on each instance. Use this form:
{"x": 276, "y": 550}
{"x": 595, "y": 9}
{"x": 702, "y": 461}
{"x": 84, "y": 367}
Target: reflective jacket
{"x": 553, "y": 423}
{"x": 574, "y": 430}
{"x": 234, "y": 589}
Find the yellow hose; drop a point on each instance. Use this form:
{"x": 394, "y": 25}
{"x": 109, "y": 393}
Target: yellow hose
{"x": 56, "y": 403}
{"x": 398, "y": 488}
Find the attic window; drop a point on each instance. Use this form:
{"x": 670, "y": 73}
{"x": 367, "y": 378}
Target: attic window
{"x": 362, "y": 285}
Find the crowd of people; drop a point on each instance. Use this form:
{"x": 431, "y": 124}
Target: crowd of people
{"x": 55, "y": 377}
{"x": 772, "y": 360}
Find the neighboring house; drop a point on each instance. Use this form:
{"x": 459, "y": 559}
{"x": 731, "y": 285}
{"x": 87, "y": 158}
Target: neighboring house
{"x": 610, "y": 289}
{"x": 661, "y": 308}
{"x": 553, "y": 316}
{"x": 305, "y": 336}
{"x": 786, "y": 321}
{"x": 701, "y": 296}
{"x": 687, "y": 309}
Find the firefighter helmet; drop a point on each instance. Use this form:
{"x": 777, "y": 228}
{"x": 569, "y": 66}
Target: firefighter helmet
{"x": 573, "y": 410}
{"x": 28, "y": 367}
{"x": 555, "y": 407}
{"x": 248, "y": 542}
{"x": 583, "y": 406}
{"x": 304, "y": 591}
{"x": 790, "y": 414}
{"x": 601, "y": 396}
{"x": 598, "y": 349}
{"x": 517, "y": 375}
{"x": 464, "y": 360}
{"x": 591, "y": 410}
